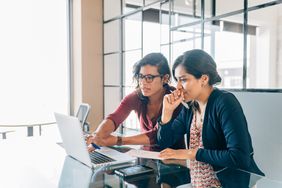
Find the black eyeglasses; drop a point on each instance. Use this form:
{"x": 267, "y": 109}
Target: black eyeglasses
{"x": 149, "y": 78}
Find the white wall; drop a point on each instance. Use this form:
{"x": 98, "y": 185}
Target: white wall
{"x": 263, "y": 113}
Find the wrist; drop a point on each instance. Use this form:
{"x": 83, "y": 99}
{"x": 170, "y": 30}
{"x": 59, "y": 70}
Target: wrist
{"x": 119, "y": 141}
{"x": 166, "y": 117}
{"x": 164, "y": 120}
{"x": 192, "y": 153}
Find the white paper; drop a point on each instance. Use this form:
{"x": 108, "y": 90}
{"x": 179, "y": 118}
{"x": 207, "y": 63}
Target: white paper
{"x": 144, "y": 154}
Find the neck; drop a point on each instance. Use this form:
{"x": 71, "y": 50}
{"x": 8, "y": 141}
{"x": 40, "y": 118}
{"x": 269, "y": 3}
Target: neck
{"x": 157, "y": 98}
{"x": 203, "y": 98}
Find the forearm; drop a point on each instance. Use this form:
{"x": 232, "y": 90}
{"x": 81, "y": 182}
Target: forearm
{"x": 166, "y": 116}
{"x": 105, "y": 128}
{"x": 186, "y": 154}
{"x": 224, "y": 158}
{"x": 140, "y": 139}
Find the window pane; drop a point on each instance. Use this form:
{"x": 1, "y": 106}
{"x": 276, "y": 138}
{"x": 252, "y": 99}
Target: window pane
{"x": 147, "y": 2}
{"x": 222, "y": 7}
{"x": 179, "y": 47}
{"x": 111, "y": 100}
{"x": 151, "y": 37}
{"x": 130, "y": 58}
{"x": 151, "y": 29}
{"x": 112, "y": 8}
{"x": 257, "y": 2}
{"x": 164, "y": 23}
{"x": 131, "y": 5}
{"x": 265, "y": 48}
{"x": 226, "y": 46}
{"x": 165, "y": 51}
{"x": 34, "y": 61}
{"x": 112, "y": 69}
{"x": 132, "y": 31}
{"x": 185, "y": 12}
{"x": 112, "y": 36}
{"x": 185, "y": 38}
{"x": 186, "y": 33}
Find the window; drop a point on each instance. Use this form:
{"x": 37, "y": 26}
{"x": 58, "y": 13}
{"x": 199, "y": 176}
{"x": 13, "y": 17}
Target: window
{"x": 34, "y": 68}
{"x": 248, "y": 51}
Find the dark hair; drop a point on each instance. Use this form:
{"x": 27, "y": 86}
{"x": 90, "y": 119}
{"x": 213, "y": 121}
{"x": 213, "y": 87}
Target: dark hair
{"x": 198, "y": 62}
{"x": 154, "y": 59}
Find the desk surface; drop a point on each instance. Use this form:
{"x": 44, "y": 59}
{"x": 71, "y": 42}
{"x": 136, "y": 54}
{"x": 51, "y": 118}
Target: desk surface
{"x": 35, "y": 162}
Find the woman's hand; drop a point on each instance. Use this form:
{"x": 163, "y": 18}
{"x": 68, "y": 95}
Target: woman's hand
{"x": 178, "y": 154}
{"x": 172, "y": 100}
{"x": 170, "y": 103}
{"x": 110, "y": 140}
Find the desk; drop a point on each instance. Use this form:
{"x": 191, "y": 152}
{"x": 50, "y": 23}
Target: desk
{"x": 37, "y": 162}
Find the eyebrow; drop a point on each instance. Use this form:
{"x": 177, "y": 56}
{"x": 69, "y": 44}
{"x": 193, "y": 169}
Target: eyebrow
{"x": 148, "y": 74}
{"x": 181, "y": 77}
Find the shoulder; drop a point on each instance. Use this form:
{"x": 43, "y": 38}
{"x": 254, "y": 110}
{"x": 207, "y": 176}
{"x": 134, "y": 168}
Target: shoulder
{"x": 133, "y": 96}
{"x": 220, "y": 95}
{"x": 222, "y": 99}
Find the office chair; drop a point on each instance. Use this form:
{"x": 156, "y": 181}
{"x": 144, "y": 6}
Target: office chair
{"x": 82, "y": 114}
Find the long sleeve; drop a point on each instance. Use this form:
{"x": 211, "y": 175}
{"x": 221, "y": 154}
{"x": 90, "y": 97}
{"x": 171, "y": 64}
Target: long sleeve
{"x": 171, "y": 132}
{"x": 232, "y": 122}
{"x": 128, "y": 104}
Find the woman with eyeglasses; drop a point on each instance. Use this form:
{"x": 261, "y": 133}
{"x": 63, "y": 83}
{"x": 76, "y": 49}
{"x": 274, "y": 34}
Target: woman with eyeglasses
{"x": 219, "y": 144}
{"x": 152, "y": 74}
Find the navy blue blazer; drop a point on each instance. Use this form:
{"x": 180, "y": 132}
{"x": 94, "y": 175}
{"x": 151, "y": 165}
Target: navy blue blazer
{"x": 226, "y": 139}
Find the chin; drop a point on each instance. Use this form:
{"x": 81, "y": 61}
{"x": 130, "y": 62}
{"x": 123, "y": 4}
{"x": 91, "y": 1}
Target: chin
{"x": 187, "y": 99}
{"x": 146, "y": 94}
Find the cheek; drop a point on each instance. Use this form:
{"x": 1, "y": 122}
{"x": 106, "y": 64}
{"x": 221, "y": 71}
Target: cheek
{"x": 187, "y": 86}
{"x": 190, "y": 88}
{"x": 157, "y": 86}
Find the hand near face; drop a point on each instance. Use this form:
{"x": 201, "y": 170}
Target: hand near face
{"x": 178, "y": 154}
{"x": 172, "y": 100}
{"x": 170, "y": 103}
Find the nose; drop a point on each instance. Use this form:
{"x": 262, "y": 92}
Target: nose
{"x": 179, "y": 85}
{"x": 143, "y": 82}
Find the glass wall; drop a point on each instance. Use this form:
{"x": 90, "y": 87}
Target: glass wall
{"x": 243, "y": 36}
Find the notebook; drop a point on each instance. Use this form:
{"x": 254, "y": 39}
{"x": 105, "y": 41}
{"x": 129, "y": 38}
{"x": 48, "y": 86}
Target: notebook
{"x": 75, "y": 145}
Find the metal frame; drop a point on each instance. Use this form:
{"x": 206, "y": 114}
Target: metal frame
{"x": 202, "y": 21}
{"x": 70, "y": 52}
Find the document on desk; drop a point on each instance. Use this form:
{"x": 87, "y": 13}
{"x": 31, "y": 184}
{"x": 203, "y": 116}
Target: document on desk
{"x": 144, "y": 154}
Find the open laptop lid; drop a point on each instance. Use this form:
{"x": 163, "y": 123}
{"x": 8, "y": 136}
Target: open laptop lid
{"x": 72, "y": 136}
{"x": 75, "y": 146}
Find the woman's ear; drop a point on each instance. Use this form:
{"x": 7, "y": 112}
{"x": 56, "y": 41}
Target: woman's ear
{"x": 205, "y": 80}
{"x": 166, "y": 79}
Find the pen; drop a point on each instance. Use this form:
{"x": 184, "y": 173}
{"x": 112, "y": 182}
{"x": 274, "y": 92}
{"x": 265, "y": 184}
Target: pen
{"x": 185, "y": 104}
{"x": 95, "y": 146}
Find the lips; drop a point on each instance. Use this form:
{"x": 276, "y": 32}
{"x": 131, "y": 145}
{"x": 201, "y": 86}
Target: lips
{"x": 146, "y": 89}
{"x": 186, "y": 97}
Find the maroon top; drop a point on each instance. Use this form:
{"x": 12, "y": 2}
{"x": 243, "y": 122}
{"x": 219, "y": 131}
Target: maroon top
{"x": 135, "y": 101}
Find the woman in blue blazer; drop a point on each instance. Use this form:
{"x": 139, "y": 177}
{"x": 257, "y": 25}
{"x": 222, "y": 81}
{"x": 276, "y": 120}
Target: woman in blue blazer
{"x": 219, "y": 144}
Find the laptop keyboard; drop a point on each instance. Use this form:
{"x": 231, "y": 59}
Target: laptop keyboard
{"x": 98, "y": 158}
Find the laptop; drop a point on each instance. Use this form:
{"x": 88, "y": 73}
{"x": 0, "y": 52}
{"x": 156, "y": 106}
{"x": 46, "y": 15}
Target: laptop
{"x": 75, "y": 145}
